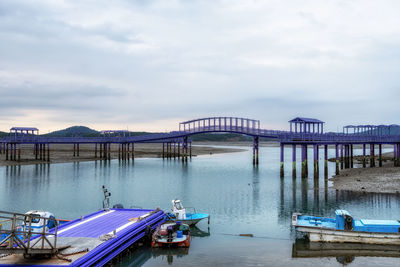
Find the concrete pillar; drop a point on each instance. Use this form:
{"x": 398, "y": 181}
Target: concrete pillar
{"x": 351, "y": 156}
{"x": 294, "y": 160}
{"x": 364, "y": 160}
{"x": 380, "y": 155}
{"x": 133, "y": 151}
{"x": 282, "y": 171}
{"x": 174, "y": 150}
{"x": 74, "y": 149}
{"x": 48, "y": 152}
{"x": 341, "y": 156}
{"x": 179, "y": 150}
{"x": 119, "y": 151}
{"x": 190, "y": 149}
{"x": 304, "y": 166}
{"x": 255, "y": 150}
{"x": 372, "y": 155}
{"x": 316, "y": 162}
{"x": 77, "y": 149}
{"x": 109, "y": 151}
{"x": 7, "y": 151}
{"x": 163, "y": 150}
{"x": 337, "y": 158}
{"x": 326, "y": 161}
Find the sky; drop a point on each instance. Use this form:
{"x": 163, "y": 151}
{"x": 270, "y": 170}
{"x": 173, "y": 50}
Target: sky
{"x": 146, "y": 65}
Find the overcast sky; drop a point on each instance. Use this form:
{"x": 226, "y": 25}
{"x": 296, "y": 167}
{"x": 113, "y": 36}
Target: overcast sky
{"x": 149, "y": 64}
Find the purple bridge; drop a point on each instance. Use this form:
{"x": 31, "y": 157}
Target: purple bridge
{"x": 304, "y": 132}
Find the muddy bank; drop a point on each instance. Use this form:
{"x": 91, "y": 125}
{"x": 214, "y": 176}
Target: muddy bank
{"x": 384, "y": 179}
{"x": 60, "y": 153}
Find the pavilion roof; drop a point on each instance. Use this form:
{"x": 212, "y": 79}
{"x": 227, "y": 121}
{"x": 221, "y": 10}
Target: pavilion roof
{"x": 306, "y": 120}
{"x": 24, "y": 129}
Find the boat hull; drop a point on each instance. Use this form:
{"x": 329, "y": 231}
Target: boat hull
{"x": 332, "y": 235}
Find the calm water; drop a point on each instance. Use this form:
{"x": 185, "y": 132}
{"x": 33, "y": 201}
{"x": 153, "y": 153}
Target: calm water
{"x": 241, "y": 200}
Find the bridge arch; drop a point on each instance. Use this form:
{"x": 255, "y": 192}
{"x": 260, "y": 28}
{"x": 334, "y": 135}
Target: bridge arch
{"x": 221, "y": 124}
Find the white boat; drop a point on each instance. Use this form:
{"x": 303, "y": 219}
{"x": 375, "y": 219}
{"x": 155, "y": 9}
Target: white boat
{"x": 179, "y": 214}
{"x": 344, "y": 229}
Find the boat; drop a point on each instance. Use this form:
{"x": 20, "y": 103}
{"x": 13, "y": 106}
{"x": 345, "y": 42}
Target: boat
{"x": 344, "y": 229}
{"x": 179, "y": 214}
{"x": 34, "y": 221}
{"x": 171, "y": 234}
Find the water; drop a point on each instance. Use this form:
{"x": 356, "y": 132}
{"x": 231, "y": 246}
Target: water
{"x": 240, "y": 198}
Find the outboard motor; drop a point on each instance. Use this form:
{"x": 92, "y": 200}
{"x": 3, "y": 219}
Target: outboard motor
{"x": 178, "y": 210}
{"x": 118, "y": 206}
{"x": 344, "y": 221}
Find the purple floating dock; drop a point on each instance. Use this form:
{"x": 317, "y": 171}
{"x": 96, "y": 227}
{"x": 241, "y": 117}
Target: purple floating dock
{"x": 95, "y": 239}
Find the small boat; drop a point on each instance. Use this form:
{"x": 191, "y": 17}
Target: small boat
{"x": 179, "y": 214}
{"x": 344, "y": 229}
{"x": 171, "y": 234}
{"x": 34, "y": 221}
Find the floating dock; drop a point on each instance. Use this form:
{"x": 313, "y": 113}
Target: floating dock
{"x": 94, "y": 240}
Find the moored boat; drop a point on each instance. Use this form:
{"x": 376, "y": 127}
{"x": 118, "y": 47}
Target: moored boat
{"x": 179, "y": 214}
{"x": 171, "y": 234}
{"x": 343, "y": 228}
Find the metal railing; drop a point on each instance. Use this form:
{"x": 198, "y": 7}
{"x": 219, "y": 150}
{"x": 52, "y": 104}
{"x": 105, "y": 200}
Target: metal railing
{"x": 18, "y": 236}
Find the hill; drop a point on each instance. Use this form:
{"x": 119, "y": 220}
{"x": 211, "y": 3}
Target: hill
{"x": 74, "y": 131}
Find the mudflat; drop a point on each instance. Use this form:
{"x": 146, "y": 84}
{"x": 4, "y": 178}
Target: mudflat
{"x": 60, "y": 153}
{"x": 385, "y": 179}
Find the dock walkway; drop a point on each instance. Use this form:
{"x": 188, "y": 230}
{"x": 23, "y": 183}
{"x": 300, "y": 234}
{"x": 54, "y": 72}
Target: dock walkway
{"x": 95, "y": 239}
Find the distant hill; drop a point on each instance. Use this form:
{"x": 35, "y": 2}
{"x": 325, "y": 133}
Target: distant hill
{"x": 217, "y": 137}
{"x": 2, "y": 134}
{"x": 82, "y": 131}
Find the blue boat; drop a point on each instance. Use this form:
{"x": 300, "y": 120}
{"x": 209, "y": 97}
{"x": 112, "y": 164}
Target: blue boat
{"x": 343, "y": 228}
{"x": 179, "y": 214}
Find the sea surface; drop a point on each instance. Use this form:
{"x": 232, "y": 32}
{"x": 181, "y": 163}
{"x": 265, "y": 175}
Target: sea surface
{"x": 241, "y": 199}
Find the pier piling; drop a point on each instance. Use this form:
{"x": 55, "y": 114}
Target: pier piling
{"x": 326, "y": 161}
{"x": 364, "y": 159}
{"x": 351, "y": 156}
{"x": 294, "y": 161}
{"x": 282, "y": 171}
{"x": 380, "y": 155}
{"x": 316, "y": 161}
{"x": 372, "y": 155}
{"x": 341, "y": 156}
{"x": 337, "y": 158}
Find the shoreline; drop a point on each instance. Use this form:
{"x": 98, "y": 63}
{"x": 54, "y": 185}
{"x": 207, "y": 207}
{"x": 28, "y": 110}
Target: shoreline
{"x": 60, "y": 153}
{"x": 385, "y": 179}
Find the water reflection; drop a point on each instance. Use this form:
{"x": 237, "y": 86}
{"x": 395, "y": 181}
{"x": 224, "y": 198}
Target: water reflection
{"x": 344, "y": 253}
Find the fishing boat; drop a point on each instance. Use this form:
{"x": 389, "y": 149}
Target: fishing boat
{"x": 171, "y": 234}
{"x": 179, "y": 214}
{"x": 344, "y": 229}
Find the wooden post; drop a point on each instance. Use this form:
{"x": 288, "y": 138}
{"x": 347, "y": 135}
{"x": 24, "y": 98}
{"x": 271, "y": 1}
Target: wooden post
{"x": 341, "y": 156}
{"x": 19, "y": 152}
{"x": 48, "y": 152}
{"x": 316, "y": 162}
{"x": 364, "y": 160}
{"x": 372, "y": 155}
{"x": 95, "y": 150}
{"x": 380, "y": 155}
{"x": 351, "y": 156}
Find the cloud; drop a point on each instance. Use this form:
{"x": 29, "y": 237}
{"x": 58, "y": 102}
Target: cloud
{"x": 143, "y": 63}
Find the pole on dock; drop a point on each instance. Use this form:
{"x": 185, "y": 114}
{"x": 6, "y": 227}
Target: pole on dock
{"x": 326, "y": 161}
{"x": 109, "y": 151}
{"x": 190, "y": 149}
{"x": 380, "y": 155}
{"x": 179, "y": 149}
{"x": 133, "y": 152}
{"x": 48, "y": 152}
{"x": 77, "y": 149}
{"x": 119, "y": 151}
{"x": 294, "y": 160}
{"x": 7, "y": 151}
{"x": 282, "y": 172}
{"x": 19, "y": 152}
{"x": 174, "y": 150}
{"x": 337, "y": 158}
{"x": 95, "y": 150}
{"x": 163, "y": 150}
{"x": 396, "y": 155}
{"x": 372, "y": 155}
{"x": 364, "y": 159}
{"x": 316, "y": 162}
{"x": 346, "y": 156}
{"x": 74, "y": 149}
